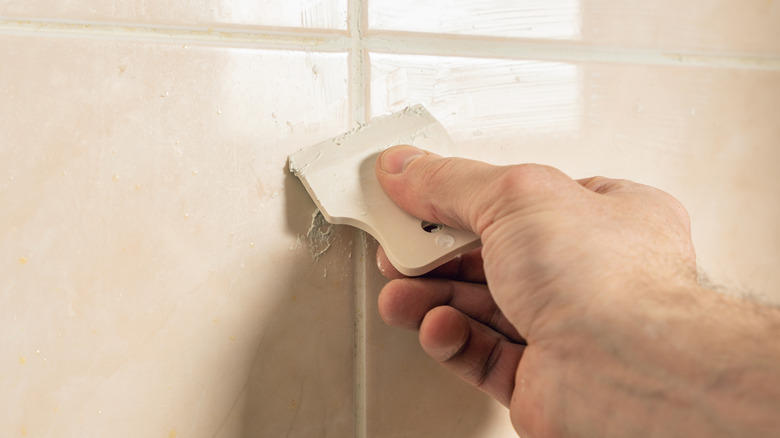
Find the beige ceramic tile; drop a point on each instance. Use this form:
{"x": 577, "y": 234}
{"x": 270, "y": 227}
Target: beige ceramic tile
{"x": 720, "y": 25}
{"x": 157, "y": 275}
{"x": 708, "y": 136}
{"x": 712, "y": 25}
{"x": 476, "y": 97}
{"x": 507, "y": 18}
{"x": 326, "y": 14}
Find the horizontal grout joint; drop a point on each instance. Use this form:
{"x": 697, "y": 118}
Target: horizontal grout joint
{"x": 407, "y": 43}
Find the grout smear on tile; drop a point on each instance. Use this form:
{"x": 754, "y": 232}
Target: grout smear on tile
{"x": 319, "y": 235}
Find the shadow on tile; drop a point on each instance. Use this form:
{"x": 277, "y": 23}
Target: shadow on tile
{"x": 301, "y": 380}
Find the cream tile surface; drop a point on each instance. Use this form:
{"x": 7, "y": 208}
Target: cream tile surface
{"x": 731, "y": 26}
{"x": 157, "y": 275}
{"x": 506, "y": 18}
{"x": 327, "y": 14}
{"x": 708, "y": 136}
{"x": 721, "y": 25}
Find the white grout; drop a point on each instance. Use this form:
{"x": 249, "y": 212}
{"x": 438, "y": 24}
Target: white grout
{"x": 360, "y": 41}
{"x": 358, "y": 98}
{"x": 359, "y": 367}
{"x": 555, "y": 50}
{"x": 358, "y": 65}
{"x": 261, "y": 37}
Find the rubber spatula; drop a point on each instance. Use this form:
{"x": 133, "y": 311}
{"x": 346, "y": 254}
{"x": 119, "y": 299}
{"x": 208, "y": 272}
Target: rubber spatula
{"x": 339, "y": 176}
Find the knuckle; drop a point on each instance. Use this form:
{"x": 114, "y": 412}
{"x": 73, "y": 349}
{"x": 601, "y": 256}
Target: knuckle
{"x": 508, "y": 191}
{"x": 527, "y": 178}
{"x": 602, "y": 185}
{"x": 679, "y": 210}
{"x": 595, "y": 183}
{"x": 621, "y": 185}
{"x": 666, "y": 201}
{"x": 520, "y": 177}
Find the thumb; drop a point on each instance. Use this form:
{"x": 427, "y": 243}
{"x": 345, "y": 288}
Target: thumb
{"x": 462, "y": 193}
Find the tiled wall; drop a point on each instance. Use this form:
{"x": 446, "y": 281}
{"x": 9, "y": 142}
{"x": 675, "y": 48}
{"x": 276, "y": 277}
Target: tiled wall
{"x": 158, "y": 274}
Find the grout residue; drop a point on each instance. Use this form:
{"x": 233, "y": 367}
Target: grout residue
{"x": 319, "y": 235}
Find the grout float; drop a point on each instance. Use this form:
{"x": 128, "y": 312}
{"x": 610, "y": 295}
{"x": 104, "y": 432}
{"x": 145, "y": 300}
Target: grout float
{"x": 339, "y": 176}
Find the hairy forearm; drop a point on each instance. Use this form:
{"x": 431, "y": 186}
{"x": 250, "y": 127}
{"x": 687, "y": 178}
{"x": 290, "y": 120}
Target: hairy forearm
{"x": 744, "y": 390}
{"x": 688, "y": 362}
{"x": 722, "y": 361}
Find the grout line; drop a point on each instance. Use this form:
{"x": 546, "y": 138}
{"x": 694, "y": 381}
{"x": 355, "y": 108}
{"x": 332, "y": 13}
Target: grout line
{"x": 553, "y": 50}
{"x": 260, "y": 37}
{"x": 358, "y": 98}
{"x": 393, "y": 42}
{"x": 357, "y": 66}
{"x": 361, "y": 276}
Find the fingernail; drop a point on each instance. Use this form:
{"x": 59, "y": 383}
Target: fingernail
{"x": 397, "y": 158}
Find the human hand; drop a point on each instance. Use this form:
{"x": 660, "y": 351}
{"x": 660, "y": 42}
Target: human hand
{"x": 581, "y": 312}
